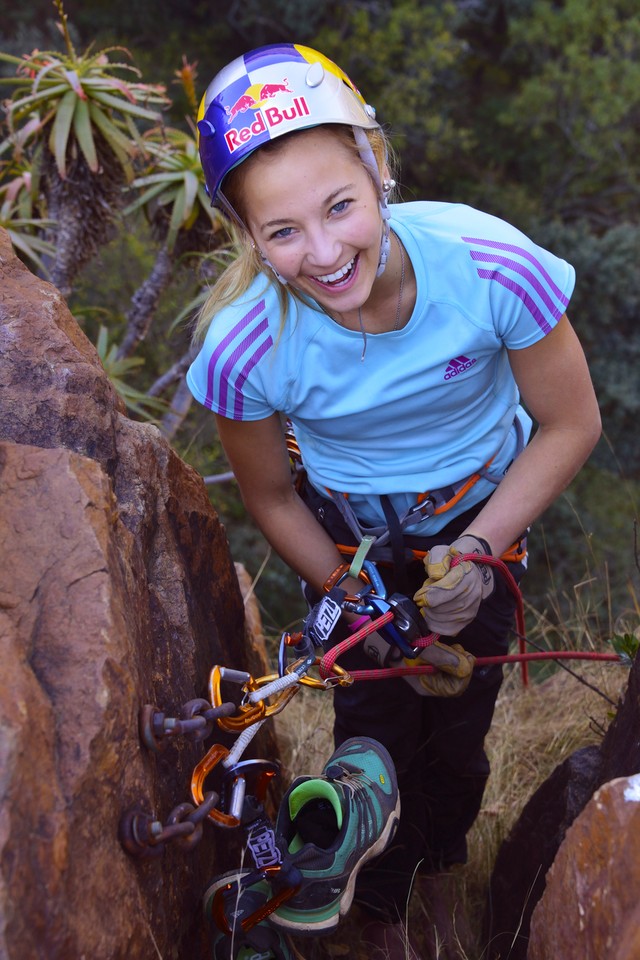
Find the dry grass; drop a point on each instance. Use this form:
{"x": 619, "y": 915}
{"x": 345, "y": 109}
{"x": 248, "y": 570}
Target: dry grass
{"x": 534, "y": 730}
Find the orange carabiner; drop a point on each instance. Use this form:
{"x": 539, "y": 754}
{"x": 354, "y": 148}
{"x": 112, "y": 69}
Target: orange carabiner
{"x": 281, "y": 699}
{"x": 218, "y": 912}
{"x": 210, "y": 760}
{"x": 262, "y": 773}
{"x": 253, "y": 712}
{"x": 249, "y": 714}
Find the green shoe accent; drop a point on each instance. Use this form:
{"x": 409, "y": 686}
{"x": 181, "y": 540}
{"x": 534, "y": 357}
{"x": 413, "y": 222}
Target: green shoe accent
{"x": 315, "y": 790}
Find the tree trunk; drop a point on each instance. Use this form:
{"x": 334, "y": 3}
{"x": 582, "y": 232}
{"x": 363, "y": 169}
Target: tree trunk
{"x": 172, "y": 421}
{"x": 145, "y": 301}
{"x": 84, "y": 206}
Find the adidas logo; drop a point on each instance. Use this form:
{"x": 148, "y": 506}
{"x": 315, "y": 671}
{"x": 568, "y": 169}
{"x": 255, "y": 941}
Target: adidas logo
{"x": 458, "y": 365}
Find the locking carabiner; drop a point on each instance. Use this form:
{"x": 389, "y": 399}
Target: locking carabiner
{"x": 407, "y": 623}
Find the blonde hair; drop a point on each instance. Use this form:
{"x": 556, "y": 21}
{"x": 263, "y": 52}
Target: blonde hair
{"x": 238, "y": 277}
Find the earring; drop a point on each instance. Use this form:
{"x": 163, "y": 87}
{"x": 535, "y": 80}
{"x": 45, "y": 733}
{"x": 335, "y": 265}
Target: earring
{"x": 387, "y": 186}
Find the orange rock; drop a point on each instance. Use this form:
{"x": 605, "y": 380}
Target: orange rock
{"x": 116, "y": 589}
{"x": 589, "y": 910}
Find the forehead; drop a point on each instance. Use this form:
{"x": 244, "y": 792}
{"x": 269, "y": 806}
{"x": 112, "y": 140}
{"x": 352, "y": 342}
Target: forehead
{"x": 302, "y": 169}
{"x": 321, "y": 147}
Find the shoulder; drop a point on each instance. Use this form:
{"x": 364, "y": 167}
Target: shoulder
{"x": 497, "y": 274}
{"x": 457, "y": 222}
{"x": 258, "y": 308}
{"x": 250, "y": 354}
{"x": 239, "y": 337}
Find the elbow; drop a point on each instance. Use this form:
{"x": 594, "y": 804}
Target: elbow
{"x": 594, "y": 430}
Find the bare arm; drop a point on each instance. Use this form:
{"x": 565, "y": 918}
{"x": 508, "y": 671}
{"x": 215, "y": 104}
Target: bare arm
{"x": 258, "y": 456}
{"x": 556, "y": 387}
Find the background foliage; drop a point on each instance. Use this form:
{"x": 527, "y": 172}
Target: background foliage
{"x": 529, "y": 109}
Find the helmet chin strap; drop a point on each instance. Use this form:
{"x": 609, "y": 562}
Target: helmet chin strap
{"x": 368, "y": 158}
{"x": 233, "y": 215}
{"x": 277, "y": 275}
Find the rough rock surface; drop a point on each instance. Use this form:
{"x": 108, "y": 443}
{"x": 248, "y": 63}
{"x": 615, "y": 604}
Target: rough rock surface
{"x": 116, "y": 589}
{"x": 519, "y": 876}
{"x": 590, "y": 905}
{"x": 525, "y": 856}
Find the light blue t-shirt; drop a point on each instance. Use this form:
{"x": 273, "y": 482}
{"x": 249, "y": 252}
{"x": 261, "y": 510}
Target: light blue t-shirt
{"x": 431, "y": 403}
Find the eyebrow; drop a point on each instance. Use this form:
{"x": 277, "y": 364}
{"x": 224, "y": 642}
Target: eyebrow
{"x": 269, "y": 224}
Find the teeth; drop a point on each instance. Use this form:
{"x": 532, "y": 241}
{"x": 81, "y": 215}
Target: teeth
{"x": 339, "y": 274}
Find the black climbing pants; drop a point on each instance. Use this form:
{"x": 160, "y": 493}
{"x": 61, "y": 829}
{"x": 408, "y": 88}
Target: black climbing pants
{"x": 437, "y": 743}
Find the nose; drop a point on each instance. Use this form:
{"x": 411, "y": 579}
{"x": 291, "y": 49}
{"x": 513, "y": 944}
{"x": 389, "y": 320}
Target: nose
{"x": 323, "y": 248}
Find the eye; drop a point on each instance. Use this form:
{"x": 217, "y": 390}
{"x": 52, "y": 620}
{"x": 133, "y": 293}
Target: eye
{"x": 340, "y": 206}
{"x": 281, "y": 234}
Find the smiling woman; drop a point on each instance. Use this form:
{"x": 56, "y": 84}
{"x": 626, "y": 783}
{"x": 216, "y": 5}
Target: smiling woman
{"x": 398, "y": 340}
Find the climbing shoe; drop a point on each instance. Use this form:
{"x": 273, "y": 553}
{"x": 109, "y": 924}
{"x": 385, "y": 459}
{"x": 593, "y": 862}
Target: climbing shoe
{"x": 229, "y": 901}
{"x": 328, "y": 827}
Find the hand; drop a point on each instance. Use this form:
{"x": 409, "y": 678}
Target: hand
{"x": 454, "y": 669}
{"x": 450, "y": 596}
{"x": 454, "y": 666}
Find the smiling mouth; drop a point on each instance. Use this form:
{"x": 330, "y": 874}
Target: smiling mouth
{"x": 340, "y": 276}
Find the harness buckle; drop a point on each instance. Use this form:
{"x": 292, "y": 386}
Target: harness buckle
{"x": 423, "y": 508}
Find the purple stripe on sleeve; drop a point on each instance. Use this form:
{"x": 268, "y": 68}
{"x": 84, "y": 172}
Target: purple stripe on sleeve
{"x": 233, "y": 358}
{"x": 511, "y": 248}
{"x": 517, "y": 267}
{"x": 222, "y": 346}
{"x": 519, "y": 292}
{"x": 244, "y": 373}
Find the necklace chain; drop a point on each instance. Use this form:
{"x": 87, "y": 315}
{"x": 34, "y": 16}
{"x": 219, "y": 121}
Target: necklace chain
{"x": 398, "y": 307}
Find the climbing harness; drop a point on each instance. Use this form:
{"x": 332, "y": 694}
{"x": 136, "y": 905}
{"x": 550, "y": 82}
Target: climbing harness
{"x": 391, "y": 540}
{"x": 235, "y": 788}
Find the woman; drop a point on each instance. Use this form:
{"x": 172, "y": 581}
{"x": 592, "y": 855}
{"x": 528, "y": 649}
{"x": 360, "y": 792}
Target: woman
{"x": 403, "y": 343}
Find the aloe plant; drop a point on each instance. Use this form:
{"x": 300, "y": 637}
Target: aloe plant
{"x": 171, "y": 192}
{"x": 82, "y": 111}
{"x": 18, "y": 218}
{"x": 72, "y": 97}
{"x": 117, "y": 369}
{"x": 172, "y": 187}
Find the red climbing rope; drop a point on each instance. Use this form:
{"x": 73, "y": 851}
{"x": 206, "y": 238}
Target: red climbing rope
{"x": 326, "y": 666}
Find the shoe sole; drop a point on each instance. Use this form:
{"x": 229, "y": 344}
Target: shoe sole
{"x": 326, "y": 924}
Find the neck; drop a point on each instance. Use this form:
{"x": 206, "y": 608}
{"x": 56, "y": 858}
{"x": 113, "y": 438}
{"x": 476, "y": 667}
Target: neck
{"x": 390, "y": 302}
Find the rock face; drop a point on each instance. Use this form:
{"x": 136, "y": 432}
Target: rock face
{"x": 116, "y": 589}
{"x": 590, "y": 906}
{"x": 525, "y": 856}
{"x": 520, "y": 875}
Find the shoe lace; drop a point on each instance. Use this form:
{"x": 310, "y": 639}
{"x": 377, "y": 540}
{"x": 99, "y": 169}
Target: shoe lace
{"x": 359, "y": 784}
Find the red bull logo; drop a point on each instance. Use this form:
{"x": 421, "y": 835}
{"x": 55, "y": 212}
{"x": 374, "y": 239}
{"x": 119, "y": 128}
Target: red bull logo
{"x": 266, "y": 119}
{"x": 254, "y": 96}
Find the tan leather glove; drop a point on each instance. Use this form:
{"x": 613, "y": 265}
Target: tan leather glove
{"x": 455, "y": 666}
{"x": 450, "y": 596}
{"x": 454, "y": 669}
